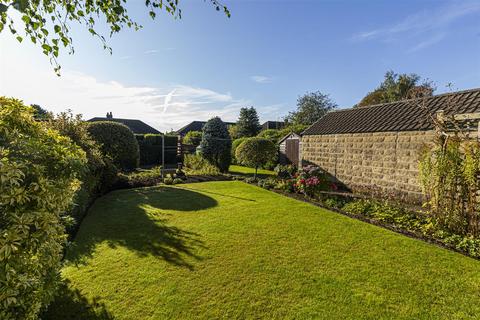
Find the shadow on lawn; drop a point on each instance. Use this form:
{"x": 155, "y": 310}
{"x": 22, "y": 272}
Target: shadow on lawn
{"x": 135, "y": 219}
{"x": 70, "y": 304}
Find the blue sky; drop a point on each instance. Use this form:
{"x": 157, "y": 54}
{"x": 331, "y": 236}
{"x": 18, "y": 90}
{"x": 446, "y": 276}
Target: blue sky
{"x": 174, "y": 71}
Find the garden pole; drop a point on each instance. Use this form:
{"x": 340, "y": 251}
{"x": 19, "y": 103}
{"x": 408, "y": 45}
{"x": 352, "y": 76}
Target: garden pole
{"x": 163, "y": 155}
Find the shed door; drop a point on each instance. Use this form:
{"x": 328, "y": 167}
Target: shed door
{"x": 292, "y": 151}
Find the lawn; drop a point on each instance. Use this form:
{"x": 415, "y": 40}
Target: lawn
{"x": 235, "y": 251}
{"x": 246, "y": 171}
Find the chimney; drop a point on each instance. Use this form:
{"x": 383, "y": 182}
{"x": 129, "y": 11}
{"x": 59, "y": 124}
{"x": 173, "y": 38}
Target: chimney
{"x": 109, "y": 115}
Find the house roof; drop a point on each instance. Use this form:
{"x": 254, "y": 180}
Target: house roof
{"x": 406, "y": 115}
{"x": 137, "y": 126}
{"x": 195, "y": 126}
{"x": 293, "y": 134}
{"x": 273, "y": 125}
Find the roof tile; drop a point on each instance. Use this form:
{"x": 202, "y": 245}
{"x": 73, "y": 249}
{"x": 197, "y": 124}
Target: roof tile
{"x": 406, "y": 115}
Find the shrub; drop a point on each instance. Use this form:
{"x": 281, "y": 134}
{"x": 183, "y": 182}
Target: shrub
{"x": 179, "y": 173}
{"x": 198, "y": 165}
{"x": 193, "y": 138}
{"x": 38, "y": 174}
{"x": 216, "y": 144}
{"x": 250, "y": 180}
{"x": 233, "y": 131}
{"x": 296, "y": 128}
{"x": 449, "y": 175}
{"x": 141, "y": 178}
{"x": 285, "y": 171}
{"x": 311, "y": 179}
{"x": 334, "y": 202}
{"x": 287, "y": 185}
{"x": 100, "y": 174}
{"x": 177, "y": 181}
{"x": 117, "y": 142}
{"x": 235, "y": 145}
{"x": 267, "y": 183}
{"x": 255, "y": 152}
{"x": 271, "y": 134}
{"x": 168, "y": 180}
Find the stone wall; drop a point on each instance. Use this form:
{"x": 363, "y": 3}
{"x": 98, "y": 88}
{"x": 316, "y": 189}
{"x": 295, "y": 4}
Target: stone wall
{"x": 386, "y": 161}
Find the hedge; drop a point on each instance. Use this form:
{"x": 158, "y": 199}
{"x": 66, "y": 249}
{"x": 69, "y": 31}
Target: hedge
{"x": 150, "y": 146}
{"x": 117, "y": 142}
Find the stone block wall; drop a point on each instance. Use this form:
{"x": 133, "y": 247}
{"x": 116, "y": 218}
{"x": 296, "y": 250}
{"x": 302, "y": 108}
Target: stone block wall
{"x": 386, "y": 161}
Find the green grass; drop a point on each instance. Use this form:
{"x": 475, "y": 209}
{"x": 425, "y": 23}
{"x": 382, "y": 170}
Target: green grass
{"x": 246, "y": 171}
{"x": 234, "y": 251}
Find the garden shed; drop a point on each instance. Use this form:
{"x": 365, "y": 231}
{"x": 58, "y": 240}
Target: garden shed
{"x": 289, "y": 149}
{"x": 378, "y": 148}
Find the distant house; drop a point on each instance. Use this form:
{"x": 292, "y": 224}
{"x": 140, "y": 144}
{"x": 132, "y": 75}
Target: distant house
{"x": 196, "y": 126}
{"x": 273, "y": 125}
{"x": 137, "y": 126}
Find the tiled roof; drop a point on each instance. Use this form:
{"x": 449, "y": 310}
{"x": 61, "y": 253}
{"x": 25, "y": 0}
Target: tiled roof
{"x": 406, "y": 115}
{"x": 137, "y": 126}
{"x": 196, "y": 126}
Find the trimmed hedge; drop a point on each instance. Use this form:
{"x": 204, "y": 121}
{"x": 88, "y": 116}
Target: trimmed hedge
{"x": 100, "y": 173}
{"x": 117, "y": 142}
{"x": 150, "y": 146}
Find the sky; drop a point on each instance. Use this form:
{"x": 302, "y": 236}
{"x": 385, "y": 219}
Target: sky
{"x": 174, "y": 71}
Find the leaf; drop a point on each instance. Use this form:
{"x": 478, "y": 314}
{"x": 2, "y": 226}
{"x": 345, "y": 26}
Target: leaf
{"x": 118, "y": 10}
{"x": 20, "y": 39}
{"x": 21, "y": 5}
{"x": 57, "y": 28}
{"x": 46, "y": 47}
{"x": 3, "y": 8}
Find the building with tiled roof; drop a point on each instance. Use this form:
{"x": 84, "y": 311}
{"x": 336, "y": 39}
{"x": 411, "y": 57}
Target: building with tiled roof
{"x": 196, "y": 126}
{"x": 378, "y": 147}
{"x": 137, "y": 126}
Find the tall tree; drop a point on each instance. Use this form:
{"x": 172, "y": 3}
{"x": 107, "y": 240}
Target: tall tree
{"x": 310, "y": 107}
{"x": 248, "y": 124}
{"x": 48, "y": 23}
{"x": 396, "y": 87}
{"x": 216, "y": 144}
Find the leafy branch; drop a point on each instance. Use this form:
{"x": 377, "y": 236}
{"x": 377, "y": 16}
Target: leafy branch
{"x": 47, "y": 22}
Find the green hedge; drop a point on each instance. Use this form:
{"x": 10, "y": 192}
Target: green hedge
{"x": 150, "y": 146}
{"x": 117, "y": 141}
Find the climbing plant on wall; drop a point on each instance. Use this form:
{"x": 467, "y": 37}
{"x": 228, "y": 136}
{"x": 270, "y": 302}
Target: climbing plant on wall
{"x": 449, "y": 172}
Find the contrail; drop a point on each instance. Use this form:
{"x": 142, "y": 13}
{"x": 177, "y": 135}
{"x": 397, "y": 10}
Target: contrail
{"x": 168, "y": 98}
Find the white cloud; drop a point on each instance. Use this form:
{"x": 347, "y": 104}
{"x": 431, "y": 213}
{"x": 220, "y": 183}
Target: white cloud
{"x": 162, "y": 107}
{"x": 261, "y": 79}
{"x": 25, "y": 74}
{"x": 427, "y": 43}
{"x": 426, "y": 27}
{"x": 153, "y": 51}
